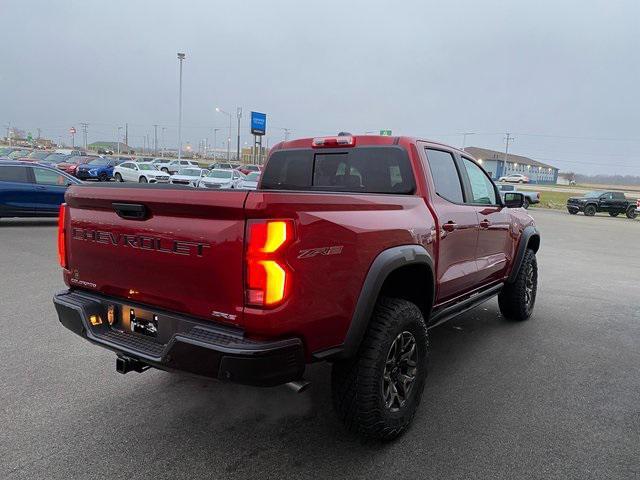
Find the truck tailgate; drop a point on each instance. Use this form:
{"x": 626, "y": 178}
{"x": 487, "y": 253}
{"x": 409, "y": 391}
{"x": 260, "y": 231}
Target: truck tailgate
{"x": 184, "y": 255}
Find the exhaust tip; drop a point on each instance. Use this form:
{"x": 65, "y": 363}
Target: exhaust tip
{"x": 299, "y": 386}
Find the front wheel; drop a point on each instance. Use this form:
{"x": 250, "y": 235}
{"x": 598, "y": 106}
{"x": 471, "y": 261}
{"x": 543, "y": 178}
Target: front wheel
{"x": 590, "y": 210}
{"x": 572, "y": 211}
{"x": 142, "y": 180}
{"x": 525, "y": 204}
{"x": 516, "y": 300}
{"x": 118, "y": 177}
{"x": 103, "y": 177}
{"x": 376, "y": 394}
{"x": 631, "y": 212}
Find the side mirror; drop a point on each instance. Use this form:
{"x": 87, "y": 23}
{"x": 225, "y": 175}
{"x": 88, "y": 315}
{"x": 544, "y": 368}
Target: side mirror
{"x": 513, "y": 200}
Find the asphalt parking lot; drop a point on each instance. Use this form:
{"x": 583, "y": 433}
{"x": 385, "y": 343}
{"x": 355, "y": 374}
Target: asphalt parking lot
{"x": 555, "y": 397}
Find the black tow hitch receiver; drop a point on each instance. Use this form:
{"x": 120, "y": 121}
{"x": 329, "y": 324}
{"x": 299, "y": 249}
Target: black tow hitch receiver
{"x": 126, "y": 365}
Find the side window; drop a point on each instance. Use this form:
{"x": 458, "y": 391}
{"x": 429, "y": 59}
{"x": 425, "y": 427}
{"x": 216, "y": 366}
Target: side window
{"x": 481, "y": 187}
{"x": 48, "y": 177}
{"x": 445, "y": 175}
{"x": 14, "y": 174}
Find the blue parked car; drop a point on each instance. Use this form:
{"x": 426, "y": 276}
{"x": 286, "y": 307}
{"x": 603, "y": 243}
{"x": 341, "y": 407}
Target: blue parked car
{"x": 30, "y": 189}
{"x": 100, "y": 169}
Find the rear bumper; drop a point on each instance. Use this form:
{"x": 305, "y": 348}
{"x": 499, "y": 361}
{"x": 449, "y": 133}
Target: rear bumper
{"x": 187, "y": 345}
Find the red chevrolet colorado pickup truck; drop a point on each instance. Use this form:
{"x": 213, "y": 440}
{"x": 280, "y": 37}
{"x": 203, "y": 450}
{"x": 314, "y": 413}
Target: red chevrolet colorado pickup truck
{"x": 349, "y": 251}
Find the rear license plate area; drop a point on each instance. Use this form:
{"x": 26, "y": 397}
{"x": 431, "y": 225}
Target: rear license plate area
{"x": 143, "y": 322}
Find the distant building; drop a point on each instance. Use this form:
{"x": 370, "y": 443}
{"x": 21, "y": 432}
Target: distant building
{"x": 494, "y": 163}
{"x": 113, "y": 146}
{"x": 566, "y": 179}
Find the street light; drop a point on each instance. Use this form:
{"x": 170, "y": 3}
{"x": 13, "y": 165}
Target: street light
{"x": 219, "y": 110}
{"x": 239, "y": 113}
{"x": 215, "y": 141}
{"x": 180, "y": 59}
{"x": 118, "y": 139}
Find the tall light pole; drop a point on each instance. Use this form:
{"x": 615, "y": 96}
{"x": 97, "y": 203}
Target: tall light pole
{"x": 180, "y": 59}
{"x": 239, "y": 112}
{"x": 219, "y": 110}
{"x": 215, "y": 143}
{"x": 162, "y": 134}
{"x": 118, "y": 139}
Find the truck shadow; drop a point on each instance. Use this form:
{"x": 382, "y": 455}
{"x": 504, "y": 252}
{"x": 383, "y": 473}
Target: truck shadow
{"x": 21, "y": 222}
{"x": 240, "y": 431}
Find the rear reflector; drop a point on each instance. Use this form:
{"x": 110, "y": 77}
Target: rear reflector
{"x": 268, "y": 277}
{"x": 62, "y": 247}
{"x": 340, "y": 141}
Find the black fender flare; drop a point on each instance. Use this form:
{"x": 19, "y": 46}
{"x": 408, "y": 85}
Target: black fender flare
{"x": 382, "y": 266}
{"x": 527, "y": 234}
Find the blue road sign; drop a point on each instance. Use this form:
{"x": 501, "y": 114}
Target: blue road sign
{"x": 258, "y": 123}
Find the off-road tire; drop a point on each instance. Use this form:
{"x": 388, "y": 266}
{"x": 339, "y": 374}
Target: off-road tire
{"x": 118, "y": 177}
{"x": 357, "y": 384}
{"x": 589, "y": 210}
{"x": 515, "y": 299}
{"x": 525, "y": 204}
{"x": 572, "y": 212}
{"x": 614, "y": 214}
{"x": 631, "y": 212}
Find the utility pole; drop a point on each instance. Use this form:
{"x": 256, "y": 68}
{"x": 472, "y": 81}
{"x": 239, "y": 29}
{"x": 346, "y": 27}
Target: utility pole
{"x": 162, "y": 133}
{"x": 155, "y": 140}
{"x": 118, "y": 139}
{"x": 126, "y": 134}
{"x": 84, "y": 126}
{"x": 38, "y": 133}
{"x": 9, "y": 133}
{"x": 215, "y": 141}
{"x": 507, "y": 139}
{"x": 180, "y": 59}
{"x": 239, "y": 112}
{"x": 286, "y": 133}
{"x": 148, "y": 143}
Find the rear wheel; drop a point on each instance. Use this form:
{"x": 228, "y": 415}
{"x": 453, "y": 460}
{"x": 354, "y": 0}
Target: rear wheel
{"x": 118, "y": 177}
{"x": 614, "y": 214}
{"x": 165, "y": 169}
{"x": 376, "y": 394}
{"x": 572, "y": 211}
{"x": 516, "y": 300}
{"x": 525, "y": 203}
{"x": 631, "y": 212}
{"x": 590, "y": 210}
{"x": 142, "y": 180}
{"x": 103, "y": 177}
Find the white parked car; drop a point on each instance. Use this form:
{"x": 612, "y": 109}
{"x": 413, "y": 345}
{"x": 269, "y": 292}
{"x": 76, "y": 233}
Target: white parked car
{"x": 221, "y": 179}
{"x": 172, "y": 167}
{"x": 162, "y": 162}
{"x": 514, "y": 178}
{"x": 189, "y": 176}
{"x": 250, "y": 181}
{"x": 139, "y": 172}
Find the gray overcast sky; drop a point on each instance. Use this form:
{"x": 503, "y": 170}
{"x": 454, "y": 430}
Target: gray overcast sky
{"x": 426, "y": 68}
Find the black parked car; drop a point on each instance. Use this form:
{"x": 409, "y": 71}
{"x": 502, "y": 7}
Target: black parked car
{"x": 614, "y": 203}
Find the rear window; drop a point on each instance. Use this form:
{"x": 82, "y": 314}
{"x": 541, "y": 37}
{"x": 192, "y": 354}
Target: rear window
{"x": 359, "y": 170}
{"x": 13, "y": 174}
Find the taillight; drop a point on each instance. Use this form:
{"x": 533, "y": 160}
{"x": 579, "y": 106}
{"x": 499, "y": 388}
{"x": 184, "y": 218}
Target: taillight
{"x": 62, "y": 247}
{"x": 339, "y": 141}
{"x": 268, "y": 276}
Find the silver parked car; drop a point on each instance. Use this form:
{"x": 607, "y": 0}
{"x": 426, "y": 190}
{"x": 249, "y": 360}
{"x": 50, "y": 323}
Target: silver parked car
{"x": 222, "y": 179}
{"x": 189, "y": 176}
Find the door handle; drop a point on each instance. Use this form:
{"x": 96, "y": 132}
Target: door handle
{"x": 40, "y": 187}
{"x": 485, "y": 223}
{"x": 450, "y": 226}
